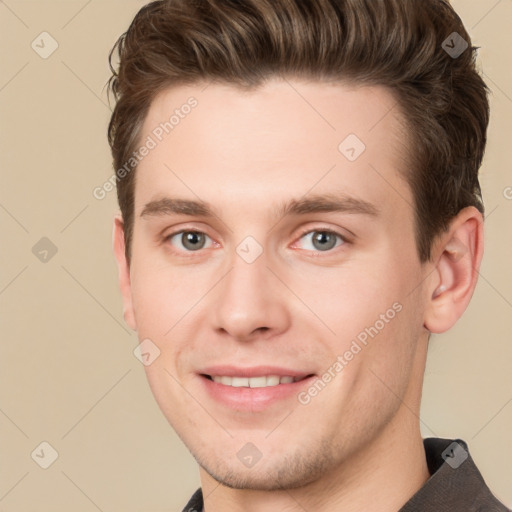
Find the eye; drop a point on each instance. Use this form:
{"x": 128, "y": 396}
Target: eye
{"x": 190, "y": 241}
{"x": 323, "y": 240}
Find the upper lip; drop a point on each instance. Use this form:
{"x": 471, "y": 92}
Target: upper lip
{"x": 253, "y": 371}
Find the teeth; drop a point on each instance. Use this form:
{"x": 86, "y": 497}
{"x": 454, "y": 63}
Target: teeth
{"x": 254, "y": 382}
{"x": 272, "y": 380}
{"x": 258, "y": 382}
{"x": 239, "y": 382}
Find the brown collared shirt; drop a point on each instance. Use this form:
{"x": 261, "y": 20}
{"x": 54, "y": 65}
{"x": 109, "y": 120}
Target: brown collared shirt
{"x": 455, "y": 484}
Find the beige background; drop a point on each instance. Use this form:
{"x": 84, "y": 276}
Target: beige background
{"x": 68, "y": 373}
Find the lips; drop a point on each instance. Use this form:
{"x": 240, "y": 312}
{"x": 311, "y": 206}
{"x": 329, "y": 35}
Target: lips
{"x": 253, "y": 388}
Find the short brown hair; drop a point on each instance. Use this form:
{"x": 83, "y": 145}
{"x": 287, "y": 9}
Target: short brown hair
{"x": 402, "y": 45}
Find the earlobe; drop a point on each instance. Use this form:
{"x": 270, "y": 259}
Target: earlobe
{"x": 458, "y": 255}
{"x": 118, "y": 242}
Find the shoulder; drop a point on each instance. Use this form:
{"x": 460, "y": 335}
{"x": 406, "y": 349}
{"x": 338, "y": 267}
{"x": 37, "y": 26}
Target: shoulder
{"x": 455, "y": 482}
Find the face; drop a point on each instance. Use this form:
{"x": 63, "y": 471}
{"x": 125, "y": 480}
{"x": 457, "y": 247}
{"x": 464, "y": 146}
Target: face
{"x": 275, "y": 273}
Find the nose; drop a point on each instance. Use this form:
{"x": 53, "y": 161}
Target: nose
{"x": 251, "y": 301}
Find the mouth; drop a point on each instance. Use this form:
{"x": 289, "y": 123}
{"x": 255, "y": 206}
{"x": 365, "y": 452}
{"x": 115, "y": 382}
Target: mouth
{"x": 263, "y": 381}
{"x": 253, "y": 389}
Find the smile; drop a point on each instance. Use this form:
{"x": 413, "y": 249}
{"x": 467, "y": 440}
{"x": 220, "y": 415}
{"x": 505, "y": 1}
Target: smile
{"x": 254, "y": 382}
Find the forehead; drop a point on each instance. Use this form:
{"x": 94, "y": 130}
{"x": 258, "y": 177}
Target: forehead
{"x": 280, "y": 140}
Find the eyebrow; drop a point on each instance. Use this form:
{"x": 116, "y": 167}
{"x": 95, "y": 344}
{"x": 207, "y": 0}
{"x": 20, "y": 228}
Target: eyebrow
{"x": 311, "y": 204}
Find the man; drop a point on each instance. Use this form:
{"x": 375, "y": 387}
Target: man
{"x": 323, "y": 157}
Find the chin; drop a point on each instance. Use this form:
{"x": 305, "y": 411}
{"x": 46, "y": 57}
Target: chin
{"x": 286, "y": 472}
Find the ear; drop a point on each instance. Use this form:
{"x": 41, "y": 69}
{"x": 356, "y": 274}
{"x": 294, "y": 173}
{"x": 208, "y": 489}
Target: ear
{"x": 457, "y": 256}
{"x": 118, "y": 242}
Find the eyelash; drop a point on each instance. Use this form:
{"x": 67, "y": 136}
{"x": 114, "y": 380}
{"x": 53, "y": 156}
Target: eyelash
{"x": 329, "y": 252}
{"x": 302, "y": 234}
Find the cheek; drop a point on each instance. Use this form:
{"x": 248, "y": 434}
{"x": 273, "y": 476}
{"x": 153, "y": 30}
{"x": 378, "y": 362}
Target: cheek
{"x": 171, "y": 395}
{"x": 161, "y": 296}
{"x": 352, "y": 297}
{"x": 376, "y": 372}
{"x": 375, "y": 320}
{"x": 388, "y": 357}
{"x": 166, "y": 303}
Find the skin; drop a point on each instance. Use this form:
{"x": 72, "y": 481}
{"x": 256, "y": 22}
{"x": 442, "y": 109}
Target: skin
{"x": 297, "y": 305}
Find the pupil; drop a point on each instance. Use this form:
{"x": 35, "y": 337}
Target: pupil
{"x": 322, "y": 237}
{"x": 192, "y": 239}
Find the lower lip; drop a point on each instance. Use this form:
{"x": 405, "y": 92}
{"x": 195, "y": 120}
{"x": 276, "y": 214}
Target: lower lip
{"x": 253, "y": 399}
